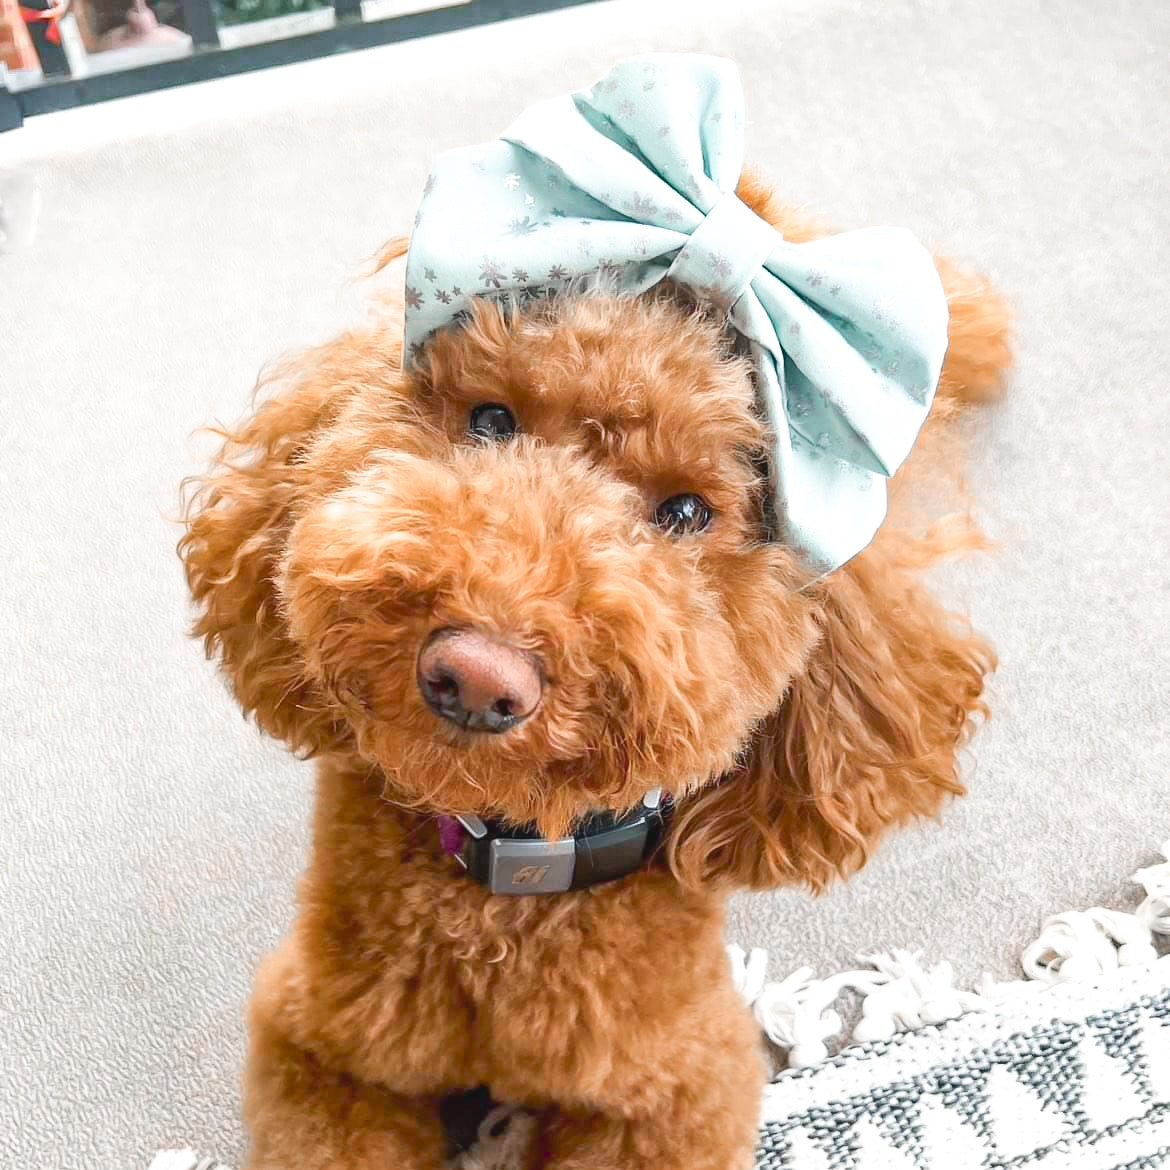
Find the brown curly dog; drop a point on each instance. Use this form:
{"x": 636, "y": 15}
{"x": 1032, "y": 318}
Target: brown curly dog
{"x": 353, "y": 516}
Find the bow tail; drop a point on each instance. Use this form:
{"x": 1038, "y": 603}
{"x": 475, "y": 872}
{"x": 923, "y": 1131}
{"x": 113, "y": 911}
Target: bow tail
{"x": 826, "y": 509}
{"x": 829, "y": 484}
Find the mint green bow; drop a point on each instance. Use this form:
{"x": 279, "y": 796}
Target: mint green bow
{"x": 635, "y": 180}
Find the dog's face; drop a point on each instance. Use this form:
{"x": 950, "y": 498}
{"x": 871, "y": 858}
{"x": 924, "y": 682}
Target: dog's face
{"x": 566, "y": 499}
{"x": 532, "y": 578}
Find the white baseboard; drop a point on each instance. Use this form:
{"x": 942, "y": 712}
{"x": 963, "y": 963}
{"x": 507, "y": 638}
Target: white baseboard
{"x": 276, "y": 28}
{"x": 385, "y": 9}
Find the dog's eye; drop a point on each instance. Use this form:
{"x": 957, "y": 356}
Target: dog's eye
{"x": 683, "y": 515}
{"x": 492, "y": 421}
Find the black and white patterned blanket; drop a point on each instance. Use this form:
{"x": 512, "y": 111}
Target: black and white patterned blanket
{"x": 1072, "y": 1077}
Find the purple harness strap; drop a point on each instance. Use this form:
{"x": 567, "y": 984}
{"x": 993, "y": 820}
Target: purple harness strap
{"x": 451, "y": 834}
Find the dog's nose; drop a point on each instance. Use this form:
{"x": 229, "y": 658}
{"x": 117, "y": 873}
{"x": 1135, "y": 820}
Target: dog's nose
{"x": 476, "y": 682}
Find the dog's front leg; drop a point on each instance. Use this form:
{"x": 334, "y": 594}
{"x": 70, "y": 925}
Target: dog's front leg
{"x": 714, "y": 1133}
{"x": 302, "y": 1116}
{"x": 691, "y": 1106}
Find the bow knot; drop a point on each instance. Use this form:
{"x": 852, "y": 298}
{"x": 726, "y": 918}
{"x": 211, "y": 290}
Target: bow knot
{"x": 634, "y": 181}
{"x": 723, "y": 255}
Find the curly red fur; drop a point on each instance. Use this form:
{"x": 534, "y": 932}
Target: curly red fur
{"x": 792, "y": 723}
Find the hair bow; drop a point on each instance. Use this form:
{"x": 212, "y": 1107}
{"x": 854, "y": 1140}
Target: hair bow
{"x": 635, "y": 180}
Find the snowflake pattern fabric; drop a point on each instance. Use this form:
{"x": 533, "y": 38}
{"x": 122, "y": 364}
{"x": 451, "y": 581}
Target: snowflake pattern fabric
{"x": 633, "y": 182}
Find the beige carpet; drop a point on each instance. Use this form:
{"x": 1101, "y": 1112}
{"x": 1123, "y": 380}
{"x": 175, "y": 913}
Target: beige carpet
{"x": 149, "y": 839}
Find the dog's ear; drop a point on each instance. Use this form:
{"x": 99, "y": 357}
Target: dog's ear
{"x": 239, "y": 515}
{"x": 237, "y": 519}
{"x": 867, "y": 737}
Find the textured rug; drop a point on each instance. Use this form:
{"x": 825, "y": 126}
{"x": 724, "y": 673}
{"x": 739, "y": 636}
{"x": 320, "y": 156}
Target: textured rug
{"x": 1077, "y": 1076}
{"x": 1066, "y": 1068}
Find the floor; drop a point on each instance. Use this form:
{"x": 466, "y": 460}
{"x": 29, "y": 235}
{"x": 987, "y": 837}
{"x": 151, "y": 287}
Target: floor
{"x": 150, "y": 840}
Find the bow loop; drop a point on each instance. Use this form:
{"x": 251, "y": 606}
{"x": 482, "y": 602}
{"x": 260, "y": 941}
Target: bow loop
{"x": 633, "y": 181}
{"x": 682, "y": 114}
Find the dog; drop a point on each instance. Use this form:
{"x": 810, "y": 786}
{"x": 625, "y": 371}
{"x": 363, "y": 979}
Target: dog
{"x": 530, "y": 578}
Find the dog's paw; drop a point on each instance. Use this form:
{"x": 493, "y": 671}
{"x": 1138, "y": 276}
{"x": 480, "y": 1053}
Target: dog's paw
{"x": 505, "y": 1141}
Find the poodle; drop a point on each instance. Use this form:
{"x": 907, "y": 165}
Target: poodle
{"x": 529, "y": 580}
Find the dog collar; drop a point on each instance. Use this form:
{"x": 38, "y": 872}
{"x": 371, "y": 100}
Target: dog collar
{"x": 517, "y": 860}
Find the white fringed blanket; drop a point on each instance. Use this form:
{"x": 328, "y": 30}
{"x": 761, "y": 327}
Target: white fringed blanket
{"x": 1074, "y": 1077}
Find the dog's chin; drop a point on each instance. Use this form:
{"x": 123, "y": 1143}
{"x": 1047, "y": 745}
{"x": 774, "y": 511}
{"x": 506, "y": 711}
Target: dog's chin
{"x": 454, "y": 772}
{"x": 552, "y": 770}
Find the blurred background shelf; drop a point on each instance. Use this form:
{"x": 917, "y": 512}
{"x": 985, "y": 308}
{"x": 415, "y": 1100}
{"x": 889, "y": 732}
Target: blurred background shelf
{"x": 77, "y": 52}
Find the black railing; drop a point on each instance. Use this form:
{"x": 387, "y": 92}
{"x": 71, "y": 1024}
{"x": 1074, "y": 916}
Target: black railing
{"x": 208, "y": 59}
